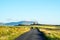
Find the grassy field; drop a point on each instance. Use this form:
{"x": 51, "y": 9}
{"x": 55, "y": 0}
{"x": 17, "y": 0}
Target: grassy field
{"x": 11, "y": 32}
{"x": 51, "y": 32}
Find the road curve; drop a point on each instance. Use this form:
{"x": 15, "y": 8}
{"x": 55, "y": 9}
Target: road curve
{"x": 33, "y": 34}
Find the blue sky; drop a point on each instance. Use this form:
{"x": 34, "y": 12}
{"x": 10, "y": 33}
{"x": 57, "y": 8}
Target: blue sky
{"x": 43, "y": 11}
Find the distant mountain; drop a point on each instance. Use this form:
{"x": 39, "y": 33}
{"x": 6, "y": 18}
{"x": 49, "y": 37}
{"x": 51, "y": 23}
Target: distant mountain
{"x": 2, "y": 23}
{"x": 25, "y": 23}
{"x": 21, "y": 22}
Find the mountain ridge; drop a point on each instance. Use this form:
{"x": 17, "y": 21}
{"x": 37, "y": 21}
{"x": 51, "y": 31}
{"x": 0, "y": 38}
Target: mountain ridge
{"x": 17, "y": 23}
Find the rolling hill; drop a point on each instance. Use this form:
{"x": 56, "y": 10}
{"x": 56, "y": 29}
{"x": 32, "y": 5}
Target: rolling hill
{"x": 17, "y": 23}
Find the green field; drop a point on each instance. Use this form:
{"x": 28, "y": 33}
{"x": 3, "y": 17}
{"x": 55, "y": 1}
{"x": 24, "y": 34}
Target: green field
{"x": 12, "y": 32}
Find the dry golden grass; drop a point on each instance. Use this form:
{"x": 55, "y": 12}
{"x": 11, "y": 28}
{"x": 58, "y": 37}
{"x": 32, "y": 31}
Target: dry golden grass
{"x": 10, "y": 33}
{"x": 52, "y": 32}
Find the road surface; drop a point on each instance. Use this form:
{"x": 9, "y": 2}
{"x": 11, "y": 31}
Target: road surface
{"x": 33, "y": 34}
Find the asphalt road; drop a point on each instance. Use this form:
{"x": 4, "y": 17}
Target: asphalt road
{"x": 33, "y": 34}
